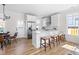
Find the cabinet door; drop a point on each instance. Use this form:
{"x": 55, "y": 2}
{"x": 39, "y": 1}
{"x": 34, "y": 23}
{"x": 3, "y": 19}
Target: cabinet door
{"x": 44, "y": 20}
{"x": 54, "y": 20}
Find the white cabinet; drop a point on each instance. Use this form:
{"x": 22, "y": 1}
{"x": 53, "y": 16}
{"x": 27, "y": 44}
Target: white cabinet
{"x": 54, "y": 20}
{"x": 44, "y": 22}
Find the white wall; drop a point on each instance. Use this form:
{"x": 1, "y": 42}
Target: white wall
{"x": 12, "y": 23}
{"x": 69, "y": 37}
{"x": 63, "y": 23}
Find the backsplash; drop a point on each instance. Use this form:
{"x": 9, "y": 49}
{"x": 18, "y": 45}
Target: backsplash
{"x": 50, "y": 28}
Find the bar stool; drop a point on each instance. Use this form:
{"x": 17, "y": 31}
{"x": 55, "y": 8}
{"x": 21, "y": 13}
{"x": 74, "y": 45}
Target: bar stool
{"x": 59, "y": 38}
{"x": 45, "y": 42}
{"x": 55, "y": 39}
{"x": 63, "y": 37}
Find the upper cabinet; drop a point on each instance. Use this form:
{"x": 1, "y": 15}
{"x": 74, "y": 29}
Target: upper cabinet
{"x": 55, "y": 20}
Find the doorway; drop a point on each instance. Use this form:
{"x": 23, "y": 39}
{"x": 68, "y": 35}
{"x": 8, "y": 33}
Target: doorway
{"x": 30, "y": 28}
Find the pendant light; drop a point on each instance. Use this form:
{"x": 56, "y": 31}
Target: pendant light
{"x": 4, "y": 15}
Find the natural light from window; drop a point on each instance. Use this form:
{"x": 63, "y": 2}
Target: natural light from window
{"x": 71, "y": 48}
{"x": 2, "y": 26}
{"x": 73, "y": 22}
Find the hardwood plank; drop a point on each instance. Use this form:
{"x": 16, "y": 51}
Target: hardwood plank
{"x": 25, "y": 47}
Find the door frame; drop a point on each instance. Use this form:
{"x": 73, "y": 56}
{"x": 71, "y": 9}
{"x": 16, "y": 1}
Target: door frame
{"x": 31, "y": 25}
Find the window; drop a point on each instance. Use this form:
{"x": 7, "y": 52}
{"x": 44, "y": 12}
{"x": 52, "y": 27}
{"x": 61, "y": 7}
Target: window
{"x": 2, "y": 26}
{"x": 73, "y": 25}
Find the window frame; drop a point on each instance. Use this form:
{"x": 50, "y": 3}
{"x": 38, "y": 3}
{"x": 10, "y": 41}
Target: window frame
{"x": 76, "y": 25}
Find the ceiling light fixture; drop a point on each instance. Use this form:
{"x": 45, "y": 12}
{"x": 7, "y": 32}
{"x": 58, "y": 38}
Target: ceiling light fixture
{"x": 4, "y": 15}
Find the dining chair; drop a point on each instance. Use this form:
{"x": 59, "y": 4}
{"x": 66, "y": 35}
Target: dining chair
{"x": 1, "y": 41}
{"x": 14, "y": 37}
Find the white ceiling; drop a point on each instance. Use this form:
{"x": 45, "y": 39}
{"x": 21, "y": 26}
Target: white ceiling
{"x": 38, "y": 9}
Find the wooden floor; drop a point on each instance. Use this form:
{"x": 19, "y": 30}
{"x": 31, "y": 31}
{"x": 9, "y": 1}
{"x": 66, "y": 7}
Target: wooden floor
{"x": 24, "y": 47}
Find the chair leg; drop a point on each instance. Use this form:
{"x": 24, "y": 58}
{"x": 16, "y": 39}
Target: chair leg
{"x": 53, "y": 41}
{"x": 57, "y": 41}
{"x": 2, "y": 45}
{"x": 8, "y": 41}
{"x": 54, "y": 44}
{"x": 5, "y": 43}
{"x": 45, "y": 45}
{"x": 40, "y": 42}
{"x": 15, "y": 40}
{"x": 49, "y": 43}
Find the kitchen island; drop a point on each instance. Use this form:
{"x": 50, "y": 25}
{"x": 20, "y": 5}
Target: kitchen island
{"x": 36, "y": 35}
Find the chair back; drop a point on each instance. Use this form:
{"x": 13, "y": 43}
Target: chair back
{"x": 16, "y": 34}
{"x": 1, "y": 38}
